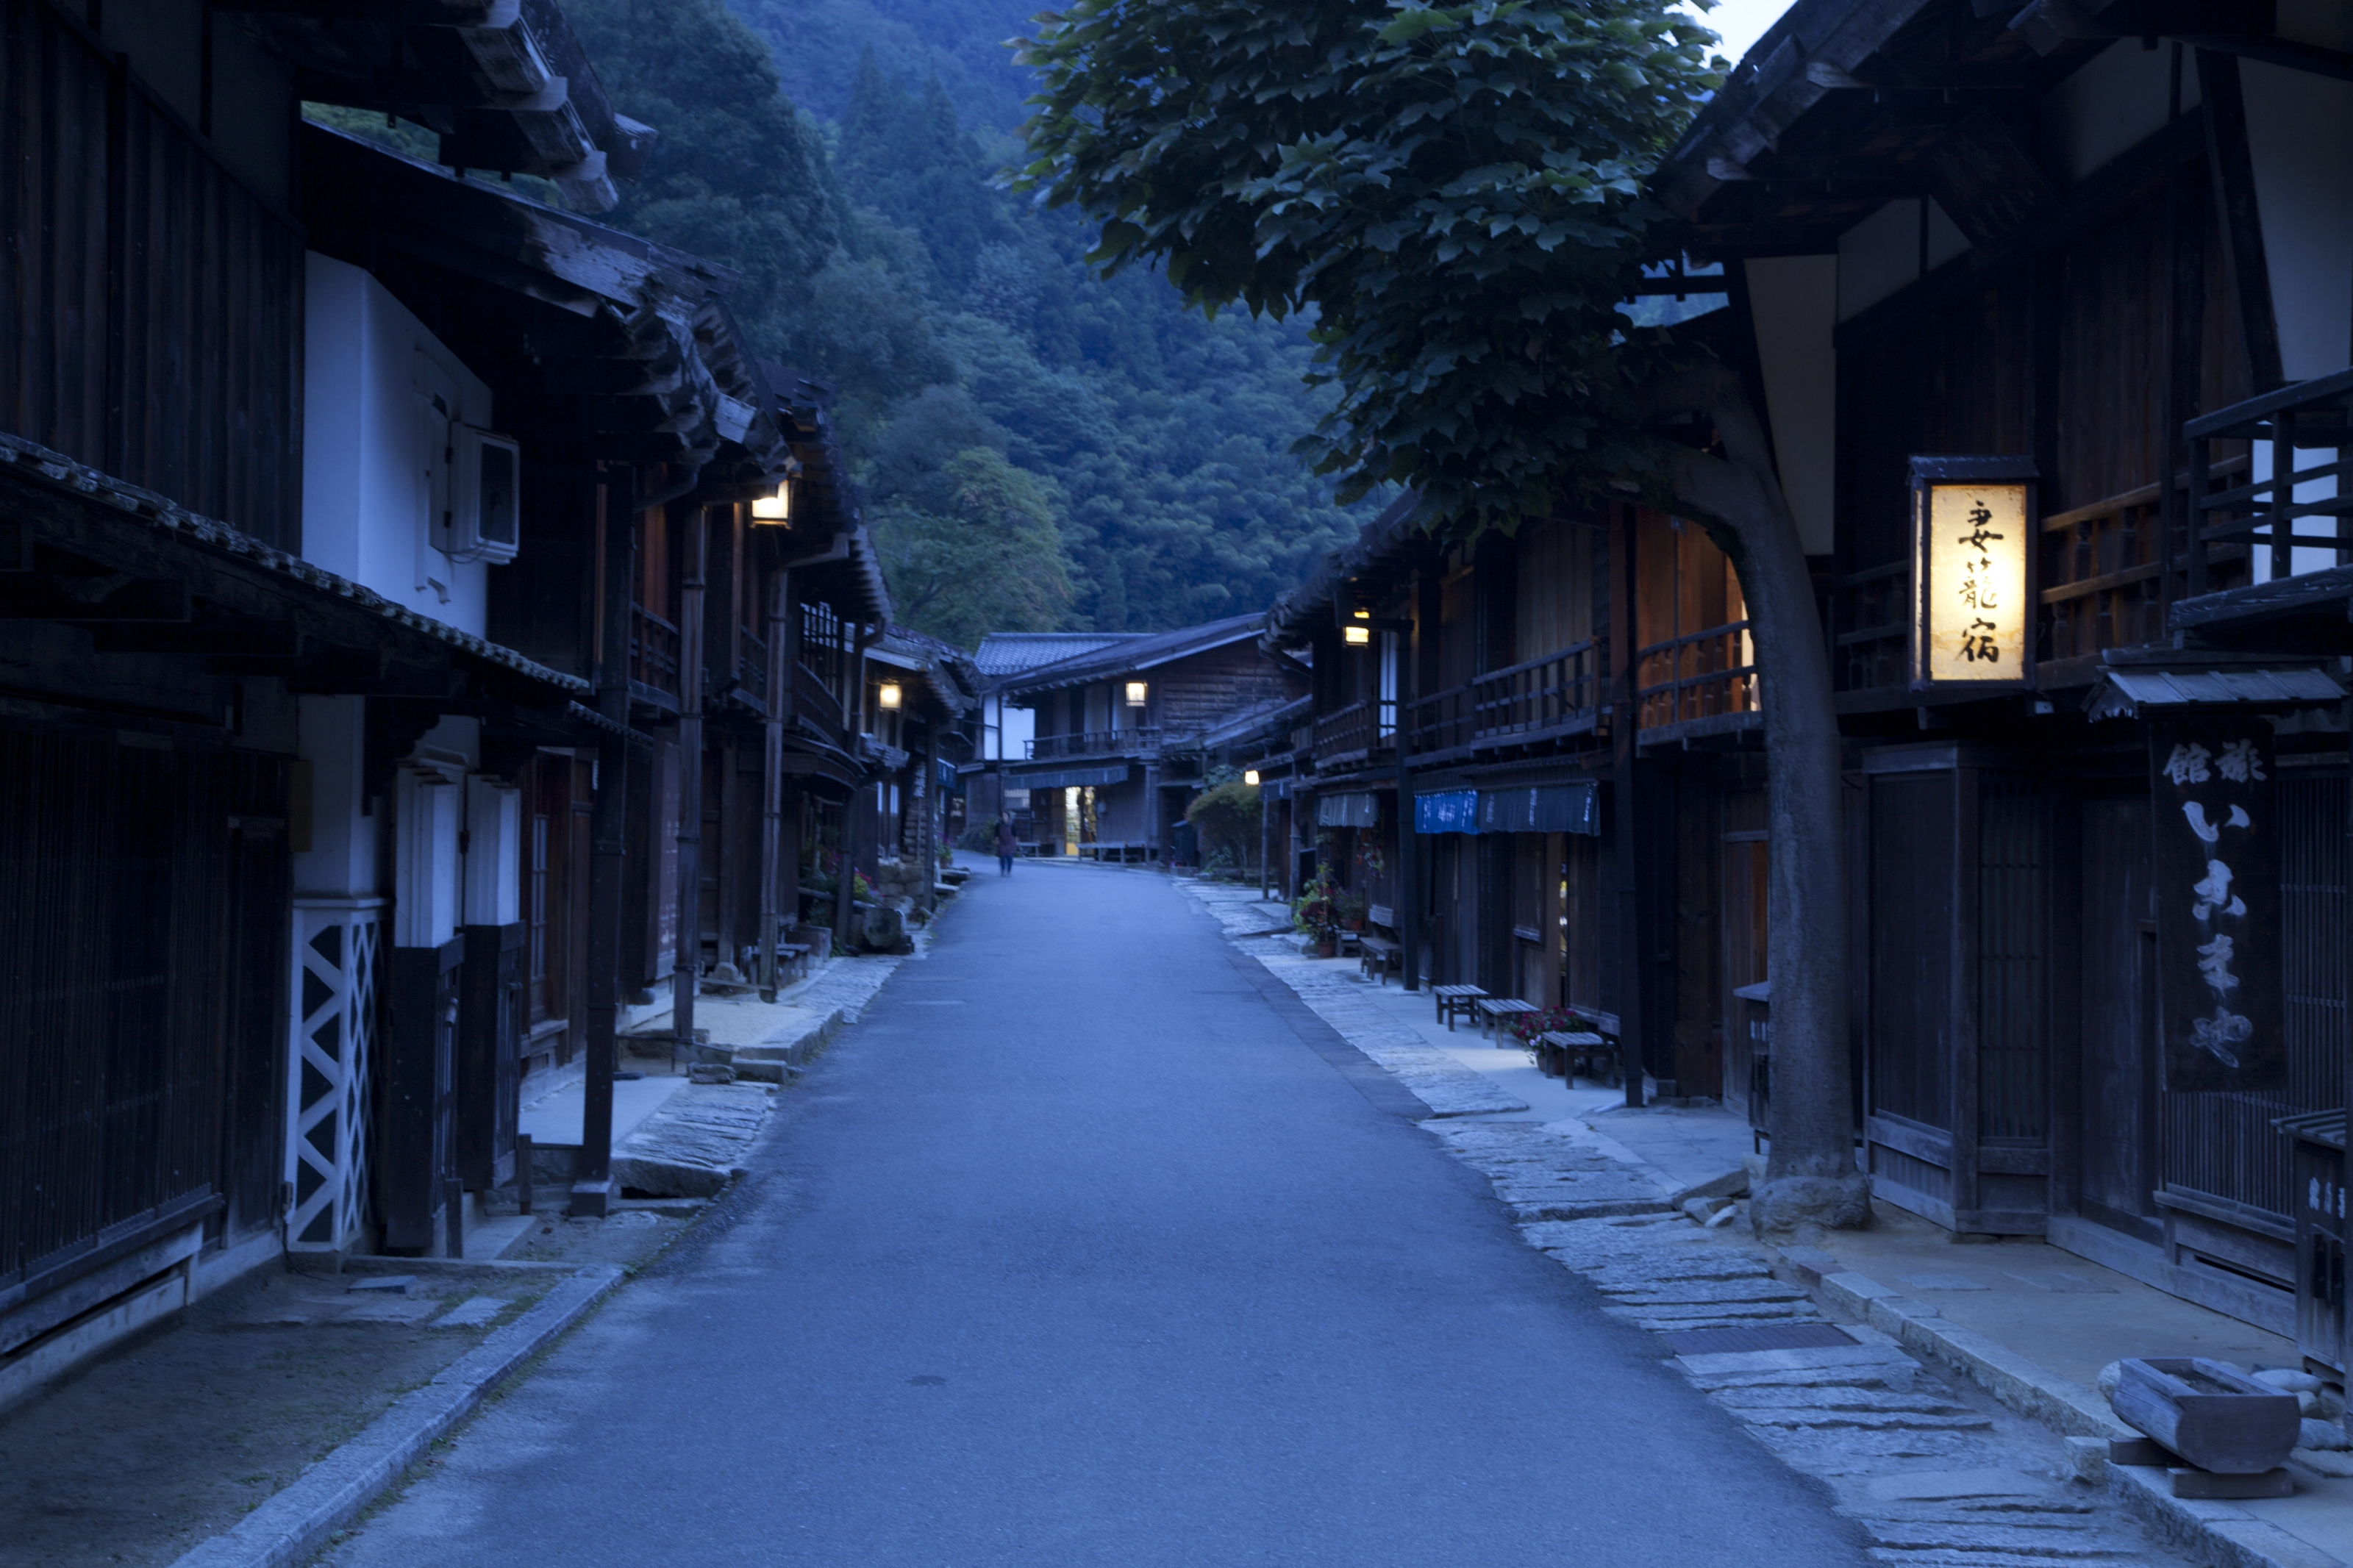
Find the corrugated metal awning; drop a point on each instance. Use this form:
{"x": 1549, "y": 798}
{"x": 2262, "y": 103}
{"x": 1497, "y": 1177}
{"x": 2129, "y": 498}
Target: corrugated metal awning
{"x": 1068, "y": 778}
{"x": 1349, "y": 809}
{"x": 2129, "y": 692}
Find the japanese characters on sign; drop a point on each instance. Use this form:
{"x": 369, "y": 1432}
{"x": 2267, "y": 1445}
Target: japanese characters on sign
{"x": 1975, "y": 616}
{"x": 2217, "y": 869}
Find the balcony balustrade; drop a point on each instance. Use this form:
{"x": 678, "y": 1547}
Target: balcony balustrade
{"x": 751, "y": 664}
{"x": 1703, "y": 674}
{"x": 813, "y": 701}
{"x": 653, "y": 651}
{"x": 1095, "y": 743}
{"x": 1556, "y": 695}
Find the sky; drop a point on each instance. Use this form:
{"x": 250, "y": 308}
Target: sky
{"x": 1742, "y": 22}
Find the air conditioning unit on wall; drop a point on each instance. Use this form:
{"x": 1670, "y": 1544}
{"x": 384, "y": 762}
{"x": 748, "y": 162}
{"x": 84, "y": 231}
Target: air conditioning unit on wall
{"x": 485, "y": 517}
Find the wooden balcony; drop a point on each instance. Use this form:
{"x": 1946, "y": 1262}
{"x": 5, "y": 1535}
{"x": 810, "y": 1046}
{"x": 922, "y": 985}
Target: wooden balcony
{"x": 814, "y": 702}
{"x": 1704, "y": 675}
{"x": 2107, "y": 574}
{"x": 1134, "y": 743}
{"x": 653, "y": 656}
{"x": 1348, "y": 737}
{"x": 1543, "y": 698}
{"x": 752, "y": 666}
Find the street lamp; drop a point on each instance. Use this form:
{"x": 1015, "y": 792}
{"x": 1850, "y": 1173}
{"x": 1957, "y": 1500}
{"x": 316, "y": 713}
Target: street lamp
{"x": 1249, "y": 777}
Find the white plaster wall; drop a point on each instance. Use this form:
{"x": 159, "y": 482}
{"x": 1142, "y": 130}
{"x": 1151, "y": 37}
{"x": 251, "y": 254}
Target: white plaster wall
{"x": 342, "y": 859}
{"x": 425, "y": 817}
{"x": 1882, "y": 254}
{"x": 493, "y": 853}
{"x": 365, "y": 497}
{"x": 2118, "y": 99}
{"x": 2300, "y": 132}
{"x": 1794, "y": 301}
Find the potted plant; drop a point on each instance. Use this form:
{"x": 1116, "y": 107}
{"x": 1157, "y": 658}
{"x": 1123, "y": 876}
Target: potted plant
{"x": 1352, "y": 907}
{"x": 1316, "y": 912}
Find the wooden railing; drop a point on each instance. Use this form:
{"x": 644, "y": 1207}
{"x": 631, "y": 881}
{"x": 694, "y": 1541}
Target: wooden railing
{"x": 1095, "y": 743}
{"x": 2262, "y": 514}
{"x": 653, "y": 650}
{"x": 2109, "y": 570}
{"x": 1542, "y": 696}
{"x": 752, "y": 663}
{"x": 1870, "y": 627}
{"x": 813, "y": 699}
{"x": 1703, "y": 674}
{"x": 1345, "y": 734}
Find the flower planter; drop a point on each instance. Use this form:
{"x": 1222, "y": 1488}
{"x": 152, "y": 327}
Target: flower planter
{"x": 1330, "y": 949}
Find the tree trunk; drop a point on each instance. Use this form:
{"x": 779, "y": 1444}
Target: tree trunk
{"x": 1811, "y": 1176}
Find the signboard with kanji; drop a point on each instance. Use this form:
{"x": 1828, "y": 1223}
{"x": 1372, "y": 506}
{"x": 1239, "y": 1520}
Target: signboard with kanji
{"x": 2218, "y": 903}
{"x": 1973, "y": 550}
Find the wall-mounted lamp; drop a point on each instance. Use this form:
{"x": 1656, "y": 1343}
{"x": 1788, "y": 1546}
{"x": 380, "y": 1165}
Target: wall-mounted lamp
{"x": 1249, "y": 777}
{"x": 1135, "y": 693}
{"x": 775, "y": 509}
{"x": 1356, "y": 633}
{"x": 889, "y": 695}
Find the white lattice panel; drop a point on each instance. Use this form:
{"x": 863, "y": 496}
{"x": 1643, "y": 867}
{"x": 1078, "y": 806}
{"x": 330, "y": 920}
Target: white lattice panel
{"x": 338, "y": 946}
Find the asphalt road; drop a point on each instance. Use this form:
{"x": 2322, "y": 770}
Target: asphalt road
{"x": 1086, "y": 1247}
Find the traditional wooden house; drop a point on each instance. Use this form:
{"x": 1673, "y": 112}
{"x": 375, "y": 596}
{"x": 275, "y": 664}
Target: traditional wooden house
{"x": 323, "y": 509}
{"x": 1117, "y": 752}
{"x": 1006, "y": 729}
{"x": 2038, "y": 306}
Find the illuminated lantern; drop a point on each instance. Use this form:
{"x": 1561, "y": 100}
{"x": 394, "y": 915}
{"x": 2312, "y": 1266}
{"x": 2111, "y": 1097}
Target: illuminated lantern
{"x": 1973, "y": 535}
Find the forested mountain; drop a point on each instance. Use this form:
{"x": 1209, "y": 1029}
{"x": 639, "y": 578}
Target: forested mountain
{"x": 1040, "y": 449}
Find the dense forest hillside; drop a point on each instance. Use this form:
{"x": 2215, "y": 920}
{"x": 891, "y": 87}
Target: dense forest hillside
{"x": 1040, "y": 449}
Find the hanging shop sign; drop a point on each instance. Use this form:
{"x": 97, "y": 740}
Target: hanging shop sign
{"x": 2218, "y": 904}
{"x": 1540, "y": 808}
{"x": 1447, "y": 811}
{"x": 1973, "y": 525}
{"x": 1349, "y": 808}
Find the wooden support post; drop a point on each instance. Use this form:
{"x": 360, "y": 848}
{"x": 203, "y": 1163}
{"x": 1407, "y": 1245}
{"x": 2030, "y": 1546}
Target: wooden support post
{"x": 1623, "y": 720}
{"x": 772, "y": 781}
{"x": 686, "y": 965}
{"x": 607, "y": 877}
{"x": 844, "y": 895}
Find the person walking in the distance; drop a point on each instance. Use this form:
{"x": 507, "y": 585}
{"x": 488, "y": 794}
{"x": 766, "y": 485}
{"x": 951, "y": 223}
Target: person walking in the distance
{"x": 1006, "y": 847}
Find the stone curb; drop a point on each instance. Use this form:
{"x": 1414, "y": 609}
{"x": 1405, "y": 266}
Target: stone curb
{"x": 2225, "y": 1533}
{"x": 295, "y": 1522}
{"x": 2066, "y": 1407}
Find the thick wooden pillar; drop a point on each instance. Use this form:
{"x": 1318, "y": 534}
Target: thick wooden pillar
{"x": 772, "y": 781}
{"x": 607, "y": 875}
{"x": 686, "y": 964}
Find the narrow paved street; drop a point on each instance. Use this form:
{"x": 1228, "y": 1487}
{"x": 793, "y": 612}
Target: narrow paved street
{"x": 1089, "y": 1246}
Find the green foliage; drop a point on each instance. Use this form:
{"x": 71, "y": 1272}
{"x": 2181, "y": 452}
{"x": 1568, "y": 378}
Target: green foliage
{"x": 1226, "y": 817}
{"x": 972, "y": 548}
{"x": 735, "y": 176}
{"x": 1453, "y": 192}
{"x": 879, "y": 254}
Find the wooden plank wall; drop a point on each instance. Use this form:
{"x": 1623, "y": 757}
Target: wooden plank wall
{"x": 152, "y": 304}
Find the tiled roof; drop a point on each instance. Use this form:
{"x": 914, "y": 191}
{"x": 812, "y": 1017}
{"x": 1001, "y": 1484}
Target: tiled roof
{"x": 1079, "y": 666}
{"x": 1010, "y": 653}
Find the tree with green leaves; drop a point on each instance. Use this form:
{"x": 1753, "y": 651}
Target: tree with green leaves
{"x": 1455, "y": 193}
{"x": 974, "y": 550}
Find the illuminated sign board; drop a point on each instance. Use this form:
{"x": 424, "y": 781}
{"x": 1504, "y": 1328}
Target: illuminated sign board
{"x": 1973, "y": 535}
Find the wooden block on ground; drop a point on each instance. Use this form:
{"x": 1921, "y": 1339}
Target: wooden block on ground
{"x": 2189, "y": 1483}
{"x": 2141, "y": 1451}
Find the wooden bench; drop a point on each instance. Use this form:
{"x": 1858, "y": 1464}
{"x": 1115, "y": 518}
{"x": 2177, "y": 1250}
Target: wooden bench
{"x": 1454, "y": 1002}
{"x": 1381, "y": 954}
{"x": 1491, "y": 1011}
{"x": 1563, "y": 1053}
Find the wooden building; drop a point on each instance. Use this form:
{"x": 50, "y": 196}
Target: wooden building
{"x": 1117, "y": 751}
{"x": 382, "y": 556}
{"x": 2097, "y": 286}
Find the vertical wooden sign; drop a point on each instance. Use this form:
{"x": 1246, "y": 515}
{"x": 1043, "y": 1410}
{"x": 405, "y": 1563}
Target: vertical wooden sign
{"x": 2218, "y": 903}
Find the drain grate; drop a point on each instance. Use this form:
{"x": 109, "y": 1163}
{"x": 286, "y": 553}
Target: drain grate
{"x": 1764, "y": 1337}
